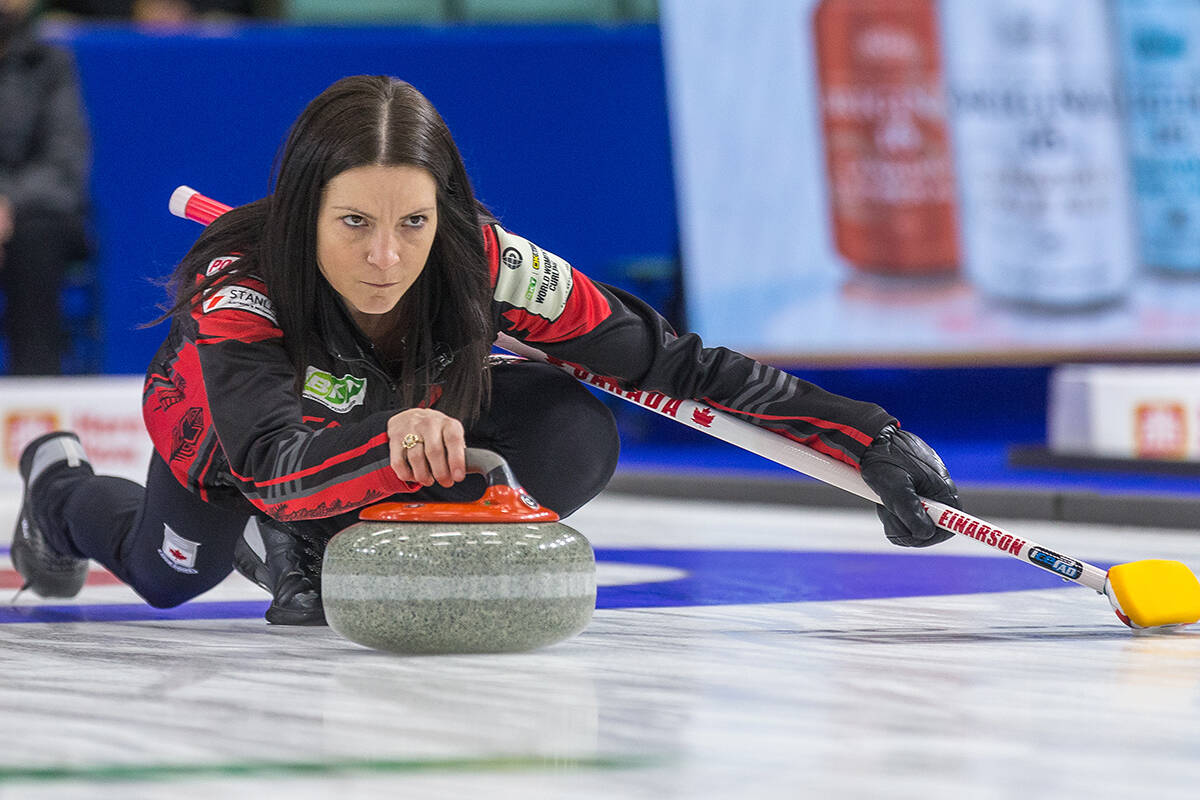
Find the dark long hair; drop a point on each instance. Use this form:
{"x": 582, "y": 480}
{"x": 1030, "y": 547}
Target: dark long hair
{"x": 358, "y": 121}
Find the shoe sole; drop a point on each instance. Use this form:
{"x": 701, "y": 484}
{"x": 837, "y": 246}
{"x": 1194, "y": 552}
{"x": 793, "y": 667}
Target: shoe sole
{"x": 281, "y": 616}
{"x": 64, "y": 584}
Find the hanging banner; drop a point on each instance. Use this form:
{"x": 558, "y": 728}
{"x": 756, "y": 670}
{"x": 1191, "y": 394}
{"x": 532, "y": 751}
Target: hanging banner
{"x": 938, "y": 180}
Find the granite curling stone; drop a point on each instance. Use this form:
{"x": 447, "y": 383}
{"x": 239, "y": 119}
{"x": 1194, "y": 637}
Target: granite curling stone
{"x": 496, "y": 575}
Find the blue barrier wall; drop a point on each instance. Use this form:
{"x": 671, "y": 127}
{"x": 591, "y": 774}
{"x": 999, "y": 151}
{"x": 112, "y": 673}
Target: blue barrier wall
{"x": 563, "y": 129}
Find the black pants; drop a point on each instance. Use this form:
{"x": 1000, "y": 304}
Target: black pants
{"x": 34, "y": 262}
{"x": 560, "y": 441}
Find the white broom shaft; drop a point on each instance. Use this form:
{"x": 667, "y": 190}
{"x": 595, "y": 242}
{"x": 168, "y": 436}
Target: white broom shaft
{"x": 826, "y": 469}
{"x": 190, "y": 204}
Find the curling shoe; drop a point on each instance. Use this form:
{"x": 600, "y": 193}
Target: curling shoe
{"x": 44, "y": 570}
{"x": 288, "y": 566}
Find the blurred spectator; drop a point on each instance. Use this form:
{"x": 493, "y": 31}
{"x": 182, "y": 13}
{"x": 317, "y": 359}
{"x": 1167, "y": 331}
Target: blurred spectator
{"x": 44, "y": 162}
{"x": 166, "y": 12}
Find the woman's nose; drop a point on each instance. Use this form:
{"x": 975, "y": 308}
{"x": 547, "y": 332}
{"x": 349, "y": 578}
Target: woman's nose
{"x": 383, "y": 251}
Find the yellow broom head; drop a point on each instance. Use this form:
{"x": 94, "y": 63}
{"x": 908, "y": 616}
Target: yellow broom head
{"x": 1153, "y": 594}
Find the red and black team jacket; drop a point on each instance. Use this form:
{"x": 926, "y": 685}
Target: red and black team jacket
{"x": 222, "y": 410}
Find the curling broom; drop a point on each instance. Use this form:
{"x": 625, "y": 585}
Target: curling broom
{"x": 1145, "y": 594}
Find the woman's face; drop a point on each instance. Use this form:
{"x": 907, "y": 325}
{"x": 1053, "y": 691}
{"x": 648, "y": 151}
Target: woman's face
{"x": 375, "y": 228}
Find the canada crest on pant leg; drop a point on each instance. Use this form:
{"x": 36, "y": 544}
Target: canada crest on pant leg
{"x": 178, "y": 553}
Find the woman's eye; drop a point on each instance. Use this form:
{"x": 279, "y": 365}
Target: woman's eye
{"x": 354, "y": 220}
{"x": 416, "y": 221}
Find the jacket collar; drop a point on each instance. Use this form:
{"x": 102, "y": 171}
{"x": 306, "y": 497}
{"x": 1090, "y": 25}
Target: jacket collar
{"x": 345, "y": 342}
{"x": 338, "y": 333}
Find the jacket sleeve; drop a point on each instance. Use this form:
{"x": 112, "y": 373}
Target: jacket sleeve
{"x": 541, "y": 300}
{"x": 280, "y": 465}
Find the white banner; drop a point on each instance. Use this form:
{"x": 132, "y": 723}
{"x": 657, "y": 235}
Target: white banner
{"x": 1125, "y": 411}
{"x": 106, "y": 413}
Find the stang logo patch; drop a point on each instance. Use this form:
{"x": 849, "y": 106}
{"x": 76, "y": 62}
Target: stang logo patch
{"x": 241, "y": 299}
{"x": 535, "y": 280}
{"x": 340, "y": 394}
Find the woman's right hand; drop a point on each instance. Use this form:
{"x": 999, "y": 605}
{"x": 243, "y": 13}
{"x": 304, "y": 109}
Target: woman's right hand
{"x": 427, "y": 446}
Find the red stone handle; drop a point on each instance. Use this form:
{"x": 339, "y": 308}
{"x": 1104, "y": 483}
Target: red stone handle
{"x": 504, "y": 500}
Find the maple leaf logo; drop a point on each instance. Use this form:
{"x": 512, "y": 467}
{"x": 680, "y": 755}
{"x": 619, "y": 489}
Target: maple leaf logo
{"x": 702, "y": 417}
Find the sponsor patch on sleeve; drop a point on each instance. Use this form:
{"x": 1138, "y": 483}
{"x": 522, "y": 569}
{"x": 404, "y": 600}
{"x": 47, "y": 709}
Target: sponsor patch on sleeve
{"x": 218, "y": 264}
{"x": 239, "y": 298}
{"x": 531, "y": 278}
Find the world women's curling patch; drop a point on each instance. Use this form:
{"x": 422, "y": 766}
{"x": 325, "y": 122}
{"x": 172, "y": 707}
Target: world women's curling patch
{"x": 531, "y": 278}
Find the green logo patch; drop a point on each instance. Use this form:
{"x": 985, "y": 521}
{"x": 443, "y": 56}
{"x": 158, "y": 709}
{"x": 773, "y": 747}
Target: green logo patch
{"x": 340, "y": 394}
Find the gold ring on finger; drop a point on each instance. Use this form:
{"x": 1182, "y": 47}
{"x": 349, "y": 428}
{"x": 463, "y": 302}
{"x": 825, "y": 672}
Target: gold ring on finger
{"x": 411, "y": 440}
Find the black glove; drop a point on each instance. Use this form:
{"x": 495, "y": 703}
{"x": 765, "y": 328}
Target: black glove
{"x": 900, "y": 467}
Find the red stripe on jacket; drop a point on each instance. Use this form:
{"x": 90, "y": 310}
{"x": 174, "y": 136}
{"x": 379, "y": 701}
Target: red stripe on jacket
{"x": 853, "y": 433}
{"x": 346, "y": 455}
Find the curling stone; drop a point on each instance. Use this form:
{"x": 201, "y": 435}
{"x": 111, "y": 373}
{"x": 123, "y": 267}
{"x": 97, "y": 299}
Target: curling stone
{"x": 499, "y": 574}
